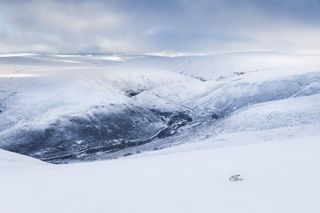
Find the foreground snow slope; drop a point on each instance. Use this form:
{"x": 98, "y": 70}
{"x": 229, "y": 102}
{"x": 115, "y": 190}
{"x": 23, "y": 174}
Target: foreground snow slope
{"x": 278, "y": 177}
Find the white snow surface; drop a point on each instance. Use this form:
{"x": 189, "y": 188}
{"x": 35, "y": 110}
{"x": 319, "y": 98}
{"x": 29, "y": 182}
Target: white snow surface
{"x": 278, "y": 176}
{"x": 269, "y": 135}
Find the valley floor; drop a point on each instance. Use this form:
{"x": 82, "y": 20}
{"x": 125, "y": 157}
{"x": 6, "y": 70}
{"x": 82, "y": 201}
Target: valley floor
{"x": 275, "y": 176}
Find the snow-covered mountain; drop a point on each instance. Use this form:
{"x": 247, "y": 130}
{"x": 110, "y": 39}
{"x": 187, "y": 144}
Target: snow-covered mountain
{"x": 227, "y": 132}
{"x": 63, "y": 108}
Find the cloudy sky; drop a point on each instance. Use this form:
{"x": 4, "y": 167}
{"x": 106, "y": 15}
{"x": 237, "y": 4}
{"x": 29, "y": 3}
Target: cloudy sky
{"x": 79, "y": 26}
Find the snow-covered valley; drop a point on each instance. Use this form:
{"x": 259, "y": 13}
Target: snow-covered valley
{"x": 220, "y": 132}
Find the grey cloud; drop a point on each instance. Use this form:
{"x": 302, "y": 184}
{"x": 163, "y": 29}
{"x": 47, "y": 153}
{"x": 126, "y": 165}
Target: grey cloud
{"x": 144, "y": 25}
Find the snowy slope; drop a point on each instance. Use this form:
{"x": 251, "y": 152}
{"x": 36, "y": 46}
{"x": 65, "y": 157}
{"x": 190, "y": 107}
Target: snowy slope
{"x": 11, "y": 161}
{"x": 278, "y": 176}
